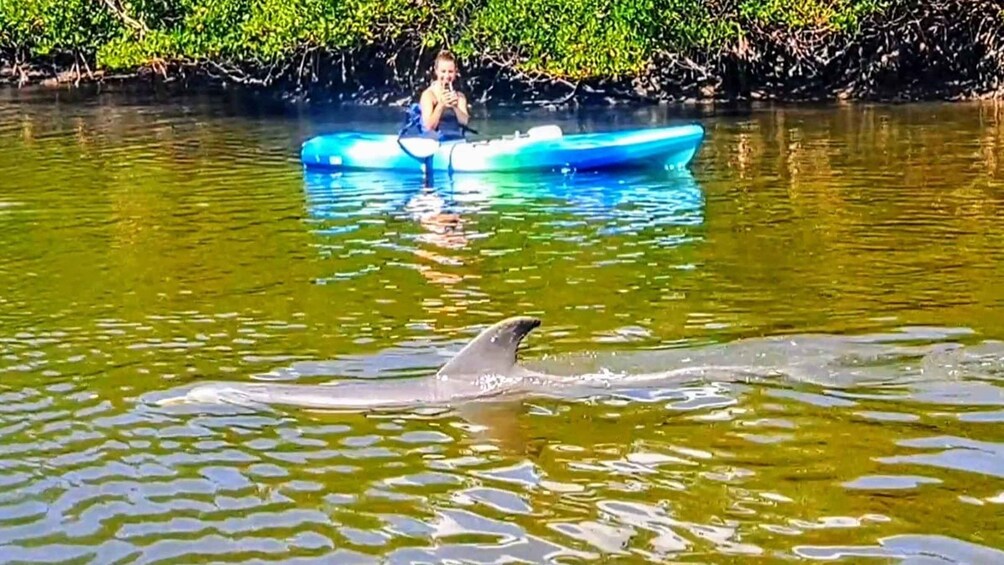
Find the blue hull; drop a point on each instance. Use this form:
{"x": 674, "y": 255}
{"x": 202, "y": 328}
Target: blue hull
{"x": 544, "y": 149}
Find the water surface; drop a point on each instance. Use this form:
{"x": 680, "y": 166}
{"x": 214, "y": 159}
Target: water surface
{"x": 849, "y": 257}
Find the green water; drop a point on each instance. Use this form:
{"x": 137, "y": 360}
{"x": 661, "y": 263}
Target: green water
{"x": 856, "y": 251}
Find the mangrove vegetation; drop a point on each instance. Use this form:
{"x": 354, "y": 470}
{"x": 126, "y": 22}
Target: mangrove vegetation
{"x": 519, "y": 50}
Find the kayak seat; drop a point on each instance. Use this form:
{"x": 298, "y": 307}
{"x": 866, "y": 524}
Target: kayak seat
{"x": 550, "y": 131}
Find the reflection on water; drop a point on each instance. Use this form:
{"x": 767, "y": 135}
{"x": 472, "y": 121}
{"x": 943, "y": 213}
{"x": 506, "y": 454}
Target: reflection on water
{"x": 816, "y": 307}
{"x": 635, "y": 200}
{"x": 448, "y": 213}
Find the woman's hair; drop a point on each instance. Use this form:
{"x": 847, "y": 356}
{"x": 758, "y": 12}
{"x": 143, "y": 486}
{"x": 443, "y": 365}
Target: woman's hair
{"x": 445, "y": 55}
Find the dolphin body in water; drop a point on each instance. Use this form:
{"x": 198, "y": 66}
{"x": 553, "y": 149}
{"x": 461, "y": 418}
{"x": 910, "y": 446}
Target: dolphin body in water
{"x": 487, "y": 368}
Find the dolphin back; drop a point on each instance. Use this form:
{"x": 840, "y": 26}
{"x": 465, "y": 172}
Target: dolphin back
{"x": 494, "y": 351}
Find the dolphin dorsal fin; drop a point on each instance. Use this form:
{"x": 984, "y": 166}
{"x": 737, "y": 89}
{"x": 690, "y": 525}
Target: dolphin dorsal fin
{"x": 493, "y": 351}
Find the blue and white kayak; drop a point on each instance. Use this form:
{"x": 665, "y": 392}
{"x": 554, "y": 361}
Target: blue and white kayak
{"x": 543, "y": 148}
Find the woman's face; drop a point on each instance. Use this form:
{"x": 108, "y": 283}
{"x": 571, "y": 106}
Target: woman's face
{"x": 446, "y": 72}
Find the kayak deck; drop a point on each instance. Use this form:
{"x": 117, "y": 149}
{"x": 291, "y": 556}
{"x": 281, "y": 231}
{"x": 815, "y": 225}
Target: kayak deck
{"x": 542, "y": 148}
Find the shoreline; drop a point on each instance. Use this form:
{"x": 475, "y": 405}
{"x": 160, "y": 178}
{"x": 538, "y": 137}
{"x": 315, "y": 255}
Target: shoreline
{"x": 811, "y": 51}
{"x": 908, "y": 51}
{"x": 517, "y": 94}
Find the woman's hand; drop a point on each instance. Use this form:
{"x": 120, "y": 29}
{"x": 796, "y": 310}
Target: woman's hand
{"x": 436, "y": 99}
{"x": 445, "y": 97}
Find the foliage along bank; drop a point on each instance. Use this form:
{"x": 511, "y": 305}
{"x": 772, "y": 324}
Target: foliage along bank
{"x": 520, "y": 50}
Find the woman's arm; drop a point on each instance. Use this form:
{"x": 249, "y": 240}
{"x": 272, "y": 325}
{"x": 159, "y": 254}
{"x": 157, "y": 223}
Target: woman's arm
{"x": 463, "y": 113}
{"x": 431, "y": 113}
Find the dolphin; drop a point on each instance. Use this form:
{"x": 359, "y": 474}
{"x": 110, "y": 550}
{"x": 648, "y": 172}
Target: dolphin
{"x": 487, "y": 368}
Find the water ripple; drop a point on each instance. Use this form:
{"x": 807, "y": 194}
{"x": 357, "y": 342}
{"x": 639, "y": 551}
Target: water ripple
{"x": 813, "y": 309}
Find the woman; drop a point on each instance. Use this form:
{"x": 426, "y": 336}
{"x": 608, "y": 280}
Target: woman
{"x": 444, "y": 110}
